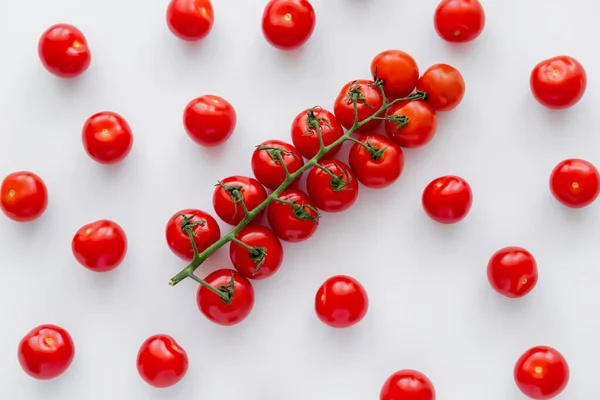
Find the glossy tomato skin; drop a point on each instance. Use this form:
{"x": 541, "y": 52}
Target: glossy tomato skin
{"x": 381, "y": 172}
{"x": 283, "y": 219}
{"x": 23, "y": 196}
{"x": 421, "y": 127}
{"x": 215, "y": 309}
{"x": 266, "y": 165}
{"x": 46, "y": 352}
{"x": 444, "y": 85}
{"x": 209, "y": 120}
{"x": 447, "y": 199}
{"x": 399, "y": 72}
{"x": 190, "y": 20}
{"x": 558, "y": 82}
{"x": 407, "y": 384}
{"x": 541, "y": 373}
{"x": 459, "y": 21}
{"x": 261, "y": 237}
{"x": 512, "y": 272}
{"x": 306, "y": 139}
{"x": 204, "y": 234}
{"x": 341, "y": 302}
{"x": 329, "y": 194}
{"x": 107, "y": 137}
{"x": 100, "y": 246}
{"x": 288, "y": 24}
{"x": 161, "y": 362}
{"x": 64, "y": 51}
{"x": 575, "y": 183}
{"x": 343, "y": 107}
{"x": 253, "y": 194}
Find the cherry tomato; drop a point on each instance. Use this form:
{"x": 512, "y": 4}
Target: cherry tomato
{"x": 459, "y": 21}
{"x": 100, "y": 246}
{"x": 378, "y": 162}
{"x": 64, "y": 51}
{"x": 209, "y": 120}
{"x": 205, "y": 228}
{"x": 305, "y": 134}
{"x": 218, "y": 311}
{"x": 512, "y": 272}
{"x": 261, "y": 254}
{"x": 369, "y": 101}
{"x": 575, "y": 183}
{"x": 23, "y": 196}
{"x": 332, "y": 186}
{"x": 541, "y": 373}
{"x": 341, "y": 302}
{"x": 266, "y": 162}
{"x": 420, "y": 127}
{"x": 288, "y": 24}
{"x": 407, "y": 384}
{"x": 161, "y": 362}
{"x": 558, "y": 82}
{"x": 46, "y": 352}
{"x": 294, "y": 217}
{"x": 399, "y": 72}
{"x": 107, "y": 137}
{"x": 231, "y": 192}
{"x": 444, "y": 85}
{"x": 447, "y": 199}
{"x": 190, "y": 20}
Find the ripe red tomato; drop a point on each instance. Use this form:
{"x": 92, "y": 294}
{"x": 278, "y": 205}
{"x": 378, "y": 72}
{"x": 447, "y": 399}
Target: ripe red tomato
{"x": 459, "y": 21}
{"x": 23, "y": 196}
{"x": 205, "y": 228}
{"x": 190, "y": 20}
{"x": 444, "y": 85}
{"x": 218, "y": 311}
{"x": 64, "y": 51}
{"x": 558, "y": 82}
{"x": 341, "y": 302}
{"x": 420, "y": 127}
{"x": 100, "y": 246}
{"x": 399, "y": 72}
{"x": 541, "y": 373}
{"x": 378, "y": 162}
{"x": 46, "y": 352}
{"x": 229, "y": 194}
{"x": 107, "y": 137}
{"x": 209, "y": 120}
{"x": 287, "y": 24}
{"x": 266, "y": 162}
{"x": 369, "y": 101}
{"x": 575, "y": 183}
{"x": 161, "y": 362}
{"x": 333, "y": 186}
{"x": 260, "y": 255}
{"x": 407, "y": 384}
{"x": 447, "y": 199}
{"x": 305, "y": 135}
{"x": 293, "y": 217}
{"x": 512, "y": 272}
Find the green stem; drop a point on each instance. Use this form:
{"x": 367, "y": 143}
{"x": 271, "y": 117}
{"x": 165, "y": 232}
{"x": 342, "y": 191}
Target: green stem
{"x": 244, "y": 245}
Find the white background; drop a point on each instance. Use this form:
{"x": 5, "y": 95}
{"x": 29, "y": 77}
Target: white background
{"x": 431, "y": 306}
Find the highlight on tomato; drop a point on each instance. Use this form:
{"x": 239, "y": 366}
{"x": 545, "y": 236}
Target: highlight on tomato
{"x": 512, "y": 271}
{"x": 64, "y": 51}
{"x": 575, "y": 183}
{"x": 447, "y": 199}
{"x": 558, "y": 82}
{"x": 407, "y": 384}
{"x": 107, "y": 137}
{"x": 256, "y": 252}
{"x": 203, "y": 227}
{"x": 46, "y": 352}
{"x": 209, "y": 120}
{"x": 161, "y": 361}
{"x": 288, "y": 24}
{"x": 190, "y": 20}
{"x": 341, "y": 302}
{"x": 459, "y": 21}
{"x": 444, "y": 85}
{"x": 100, "y": 246}
{"x": 23, "y": 196}
{"x": 541, "y": 373}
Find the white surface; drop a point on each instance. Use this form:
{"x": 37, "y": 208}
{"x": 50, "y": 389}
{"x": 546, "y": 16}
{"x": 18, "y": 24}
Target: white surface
{"x": 431, "y": 306}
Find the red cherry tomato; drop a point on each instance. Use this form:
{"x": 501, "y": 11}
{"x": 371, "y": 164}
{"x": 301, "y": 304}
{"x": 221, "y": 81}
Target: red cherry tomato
{"x": 266, "y": 162}
{"x": 305, "y": 134}
{"x": 229, "y": 194}
{"x": 558, "y": 82}
{"x": 23, "y": 196}
{"x": 100, "y": 246}
{"x": 407, "y": 384}
{"x": 64, "y": 51}
{"x": 399, "y": 72}
{"x": 288, "y": 24}
{"x": 512, "y": 272}
{"x": 46, "y": 352}
{"x": 294, "y": 217}
{"x": 107, "y": 137}
{"x": 341, "y": 302}
{"x": 161, "y": 362}
{"x": 444, "y": 85}
{"x": 369, "y": 101}
{"x": 218, "y": 311}
{"x": 377, "y": 165}
{"x": 333, "y": 186}
{"x": 459, "y": 21}
{"x": 575, "y": 183}
{"x": 261, "y": 254}
{"x": 541, "y": 373}
{"x": 190, "y": 20}
{"x": 209, "y": 120}
{"x": 447, "y": 199}
{"x": 205, "y": 227}
{"x": 421, "y": 124}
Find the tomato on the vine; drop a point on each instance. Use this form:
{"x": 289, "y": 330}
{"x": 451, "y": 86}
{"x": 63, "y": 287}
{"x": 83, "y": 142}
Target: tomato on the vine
{"x": 107, "y": 137}
{"x": 161, "y": 361}
{"x": 293, "y": 216}
{"x": 23, "y": 196}
{"x": 288, "y": 24}
{"x": 369, "y": 101}
{"x": 377, "y": 161}
{"x": 46, "y": 352}
{"x": 209, "y": 120}
{"x": 100, "y": 246}
{"x": 64, "y": 51}
{"x": 332, "y": 186}
{"x": 407, "y": 384}
{"x": 575, "y": 183}
{"x": 235, "y": 192}
{"x": 267, "y": 162}
{"x": 444, "y": 85}
{"x": 512, "y": 272}
{"x": 459, "y": 21}
{"x": 341, "y": 301}
{"x": 447, "y": 199}
{"x": 256, "y": 252}
{"x": 205, "y": 230}
{"x": 190, "y": 20}
{"x": 417, "y": 124}
{"x": 558, "y": 82}
{"x": 541, "y": 373}
{"x": 305, "y": 135}
{"x": 398, "y": 70}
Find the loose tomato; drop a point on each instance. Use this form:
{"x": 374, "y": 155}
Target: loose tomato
{"x": 558, "y": 82}
{"x": 209, "y": 120}
{"x": 377, "y": 161}
{"x": 204, "y": 227}
{"x": 416, "y": 125}
{"x": 256, "y": 252}
{"x": 100, "y": 246}
{"x": 575, "y": 183}
{"x": 46, "y": 352}
{"x": 64, "y": 51}
{"x": 369, "y": 101}
{"x": 399, "y": 72}
{"x": 190, "y": 20}
{"x": 161, "y": 362}
{"x": 341, "y": 302}
{"x": 293, "y": 217}
{"x": 332, "y": 186}
{"x": 407, "y": 384}
{"x": 107, "y": 137}
{"x": 305, "y": 135}
{"x": 23, "y": 196}
{"x": 541, "y": 373}
{"x": 288, "y": 24}
{"x": 447, "y": 199}
{"x": 239, "y": 290}
{"x": 444, "y": 85}
{"x": 512, "y": 272}
{"x": 267, "y": 162}
{"x": 459, "y": 21}
{"x": 231, "y": 192}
